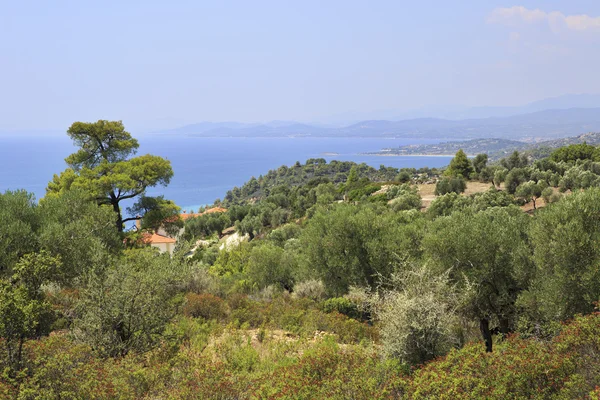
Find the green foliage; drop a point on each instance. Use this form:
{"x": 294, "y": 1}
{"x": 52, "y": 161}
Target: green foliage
{"x": 515, "y": 160}
{"x": 269, "y": 264}
{"x": 18, "y": 230}
{"x": 24, "y": 311}
{"x": 158, "y": 213}
{"x": 231, "y": 261}
{"x": 102, "y": 167}
{"x": 250, "y": 225}
{"x": 206, "y": 225}
{"x": 580, "y": 176}
{"x": 126, "y": 307}
{"x": 514, "y": 178}
{"x": 98, "y": 142}
{"x": 341, "y": 305}
{"x": 574, "y": 152}
{"x": 565, "y": 368}
{"x": 253, "y": 320}
{"x": 531, "y": 191}
{"x": 488, "y": 255}
{"x": 404, "y": 197}
{"x": 361, "y": 189}
{"x": 80, "y": 232}
{"x": 350, "y": 245}
{"x": 301, "y": 179}
{"x": 460, "y": 166}
{"x": 284, "y": 233}
{"x": 311, "y": 289}
{"x": 492, "y": 198}
{"x": 447, "y": 203}
{"x": 479, "y": 163}
{"x": 565, "y": 239}
{"x": 417, "y": 316}
{"x": 452, "y": 184}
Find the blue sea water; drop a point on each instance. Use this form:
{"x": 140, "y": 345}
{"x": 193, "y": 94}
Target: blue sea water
{"x": 204, "y": 168}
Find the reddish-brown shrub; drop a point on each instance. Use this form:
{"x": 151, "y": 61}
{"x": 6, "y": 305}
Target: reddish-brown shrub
{"x": 205, "y": 305}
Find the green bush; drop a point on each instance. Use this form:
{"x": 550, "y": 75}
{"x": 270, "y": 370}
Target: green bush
{"x": 342, "y": 306}
{"x": 450, "y": 185}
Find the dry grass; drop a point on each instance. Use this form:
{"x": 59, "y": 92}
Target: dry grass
{"x": 427, "y": 194}
{"x": 427, "y": 190}
{"x": 476, "y": 187}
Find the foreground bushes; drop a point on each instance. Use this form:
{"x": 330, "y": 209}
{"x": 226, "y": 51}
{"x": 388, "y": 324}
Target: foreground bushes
{"x": 201, "y": 361}
{"x": 565, "y": 368}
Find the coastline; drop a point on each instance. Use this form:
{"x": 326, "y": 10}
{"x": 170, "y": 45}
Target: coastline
{"x": 410, "y": 155}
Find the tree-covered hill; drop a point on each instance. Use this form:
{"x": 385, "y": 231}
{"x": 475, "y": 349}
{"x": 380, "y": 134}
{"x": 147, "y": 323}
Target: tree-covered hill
{"x": 312, "y": 173}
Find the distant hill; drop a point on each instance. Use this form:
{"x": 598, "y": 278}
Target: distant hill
{"x": 457, "y": 112}
{"x": 536, "y": 126}
{"x": 555, "y": 103}
{"x": 494, "y": 148}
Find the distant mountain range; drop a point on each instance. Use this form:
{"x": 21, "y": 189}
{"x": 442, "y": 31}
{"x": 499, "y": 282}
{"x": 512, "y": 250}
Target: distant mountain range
{"x": 456, "y": 112}
{"x": 532, "y": 127}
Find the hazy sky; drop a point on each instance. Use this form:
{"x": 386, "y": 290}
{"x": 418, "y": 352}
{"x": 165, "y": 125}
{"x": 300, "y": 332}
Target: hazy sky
{"x": 164, "y": 63}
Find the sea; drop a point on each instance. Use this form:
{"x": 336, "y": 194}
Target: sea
{"x": 204, "y": 168}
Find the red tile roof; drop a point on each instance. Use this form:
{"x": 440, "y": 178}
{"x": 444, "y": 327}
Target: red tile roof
{"x": 185, "y": 216}
{"x": 152, "y": 238}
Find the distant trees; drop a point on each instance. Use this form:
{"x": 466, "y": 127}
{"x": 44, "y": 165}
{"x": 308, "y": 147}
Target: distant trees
{"x": 404, "y": 197}
{"x": 460, "y": 166}
{"x": 574, "y": 152}
{"x": 515, "y": 160}
{"x": 452, "y": 184}
{"x": 531, "y": 191}
{"x": 480, "y": 163}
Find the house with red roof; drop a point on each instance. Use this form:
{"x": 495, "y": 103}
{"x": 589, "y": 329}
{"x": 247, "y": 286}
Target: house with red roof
{"x": 165, "y": 242}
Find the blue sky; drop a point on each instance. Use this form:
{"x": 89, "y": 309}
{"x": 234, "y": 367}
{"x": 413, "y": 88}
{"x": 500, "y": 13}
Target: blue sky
{"x": 157, "y": 64}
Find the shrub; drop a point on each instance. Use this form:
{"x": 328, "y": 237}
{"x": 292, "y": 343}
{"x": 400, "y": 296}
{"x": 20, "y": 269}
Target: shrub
{"x": 127, "y": 307}
{"x": 450, "y": 185}
{"x": 200, "y": 281}
{"x": 312, "y": 289}
{"x": 341, "y": 305}
{"x": 205, "y": 306}
{"x": 417, "y": 317}
{"x": 447, "y": 203}
{"x": 268, "y": 265}
{"x": 245, "y": 311}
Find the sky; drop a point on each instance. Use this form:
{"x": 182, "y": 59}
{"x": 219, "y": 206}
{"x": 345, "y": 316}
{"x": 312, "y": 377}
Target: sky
{"x": 159, "y": 64}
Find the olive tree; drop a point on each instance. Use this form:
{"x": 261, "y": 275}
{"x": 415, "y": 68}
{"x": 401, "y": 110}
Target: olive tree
{"x": 488, "y": 255}
{"x": 565, "y": 237}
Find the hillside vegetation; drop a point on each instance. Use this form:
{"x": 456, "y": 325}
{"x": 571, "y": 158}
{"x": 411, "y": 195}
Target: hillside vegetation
{"x": 341, "y": 285}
